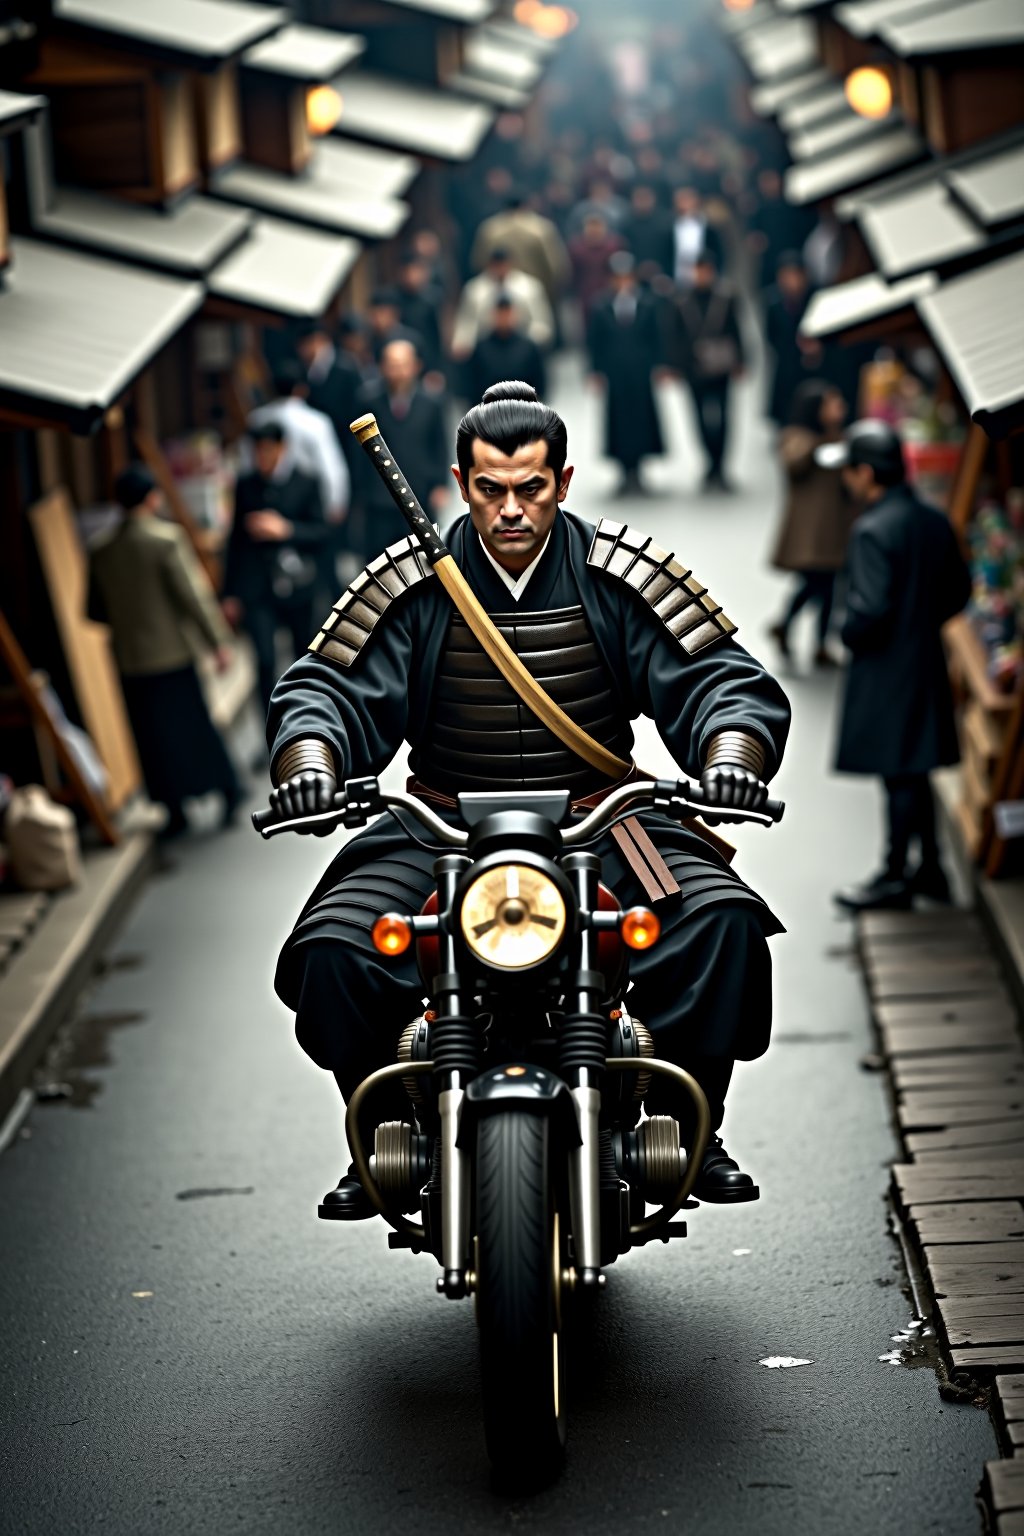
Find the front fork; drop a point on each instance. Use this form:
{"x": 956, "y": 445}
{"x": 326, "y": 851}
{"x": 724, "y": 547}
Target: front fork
{"x": 583, "y": 1048}
{"x": 455, "y": 1047}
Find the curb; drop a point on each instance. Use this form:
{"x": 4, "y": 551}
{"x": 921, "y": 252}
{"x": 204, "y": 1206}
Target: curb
{"x": 40, "y": 985}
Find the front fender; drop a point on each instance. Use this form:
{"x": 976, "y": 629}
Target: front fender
{"x": 519, "y": 1086}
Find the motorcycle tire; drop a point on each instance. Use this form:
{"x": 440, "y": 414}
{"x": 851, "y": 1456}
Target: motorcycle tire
{"x": 519, "y": 1261}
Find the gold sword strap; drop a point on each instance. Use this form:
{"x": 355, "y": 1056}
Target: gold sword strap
{"x": 519, "y": 679}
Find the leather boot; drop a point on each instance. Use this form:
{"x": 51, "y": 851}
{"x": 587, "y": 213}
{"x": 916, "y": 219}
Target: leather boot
{"x": 348, "y": 1202}
{"x": 885, "y": 892}
{"x": 930, "y": 881}
{"x": 721, "y": 1180}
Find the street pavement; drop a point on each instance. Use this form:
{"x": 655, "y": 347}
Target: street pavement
{"x": 186, "y": 1349}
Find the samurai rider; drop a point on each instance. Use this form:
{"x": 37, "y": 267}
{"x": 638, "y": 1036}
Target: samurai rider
{"x": 614, "y": 628}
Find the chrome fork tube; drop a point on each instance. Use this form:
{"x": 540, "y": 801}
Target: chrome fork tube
{"x": 455, "y": 1164}
{"x": 584, "y": 1186}
{"x": 454, "y": 1192}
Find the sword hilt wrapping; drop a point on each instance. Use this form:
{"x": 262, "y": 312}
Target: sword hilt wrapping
{"x": 367, "y": 432}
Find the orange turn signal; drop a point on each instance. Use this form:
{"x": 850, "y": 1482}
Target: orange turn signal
{"x": 391, "y": 935}
{"x": 640, "y": 928}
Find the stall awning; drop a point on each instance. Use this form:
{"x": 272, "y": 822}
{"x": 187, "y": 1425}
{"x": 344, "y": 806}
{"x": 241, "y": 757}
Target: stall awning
{"x": 429, "y": 122}
{"x": 849, "y": 306}
{"x": 852, "y": 167}
{"x": 75, "y": 330}
{"x": 466, "y": 11}
{"x": 780, "y": 48}
{"x": 512, "y": 34}
{"x": 323, "y": 195}
{"x": 816, "y": 108}
{"x": 17, "y": 111}
{"x": 496, "y": 93}
{"x": 920, "y": 228}
{"x": 844, "y": 131}
{"x": 942, "y": 212}
{"x": 778, "y": 95}
{"x": 208, "y": 30}
{"x": 487, "y": 53}
{"x": 281, "y": 270}
{"x": 863, "y": 18}
{"x": 971, "y": 27}
{"x": 992, "y": 188}
{"x": 309, "y": 55}
{"x": 977, "y": 323}
{"x": 189, "y": 239}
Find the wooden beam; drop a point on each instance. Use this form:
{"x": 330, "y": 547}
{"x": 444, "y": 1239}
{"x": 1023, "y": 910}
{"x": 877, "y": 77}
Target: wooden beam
{"x": 17, "y": 664}
{"x": 965, "y": 486}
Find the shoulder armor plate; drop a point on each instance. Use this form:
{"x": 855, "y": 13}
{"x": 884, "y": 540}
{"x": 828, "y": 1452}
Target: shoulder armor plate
{"x": 691, "y": 617}
{"x": 360, "y": 607}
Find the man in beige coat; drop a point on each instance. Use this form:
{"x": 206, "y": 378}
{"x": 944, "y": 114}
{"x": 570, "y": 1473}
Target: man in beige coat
{"x": 533, "y": 243}
{"x": 147, "y": 585}
{"x": 501, "y": 280}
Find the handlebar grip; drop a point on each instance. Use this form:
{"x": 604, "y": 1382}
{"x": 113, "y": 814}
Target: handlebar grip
{"x": 263, "y": 818}
{"x": 776, "y": 809}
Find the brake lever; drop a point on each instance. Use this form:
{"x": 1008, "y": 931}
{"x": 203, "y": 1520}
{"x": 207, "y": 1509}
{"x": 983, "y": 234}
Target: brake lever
{"x": 354, "y": 804}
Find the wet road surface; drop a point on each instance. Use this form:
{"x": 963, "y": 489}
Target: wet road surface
{"x": 186, "y": 1349}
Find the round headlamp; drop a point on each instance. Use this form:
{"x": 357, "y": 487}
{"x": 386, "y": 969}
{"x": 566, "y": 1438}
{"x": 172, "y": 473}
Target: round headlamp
{"x": 513, "y": 916}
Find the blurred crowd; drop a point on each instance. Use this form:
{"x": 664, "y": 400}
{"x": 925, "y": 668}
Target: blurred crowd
{"x": 637, "y": 214}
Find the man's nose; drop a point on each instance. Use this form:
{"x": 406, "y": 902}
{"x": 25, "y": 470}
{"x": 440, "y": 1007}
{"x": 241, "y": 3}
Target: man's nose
{"x": 510, "y": 507}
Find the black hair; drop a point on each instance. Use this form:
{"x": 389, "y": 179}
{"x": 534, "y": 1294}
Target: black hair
{"x": 267, "y": 432}
{"x": 509, "y": 416}
{"x": 807, "y": 402}
{"x": 132, "y": 486}
{"x": 288, "y": 377}
{"x": 388, "y": 298}
{"x": 790, "y": 259}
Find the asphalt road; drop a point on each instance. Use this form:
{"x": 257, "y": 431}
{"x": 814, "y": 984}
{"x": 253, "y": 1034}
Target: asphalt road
{"x": 187, "y": 1350}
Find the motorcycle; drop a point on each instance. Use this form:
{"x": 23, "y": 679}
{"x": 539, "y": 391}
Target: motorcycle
{"x": 523, "y": 1149}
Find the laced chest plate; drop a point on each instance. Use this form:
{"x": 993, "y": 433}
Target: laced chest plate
{"x": 480, "y": 736}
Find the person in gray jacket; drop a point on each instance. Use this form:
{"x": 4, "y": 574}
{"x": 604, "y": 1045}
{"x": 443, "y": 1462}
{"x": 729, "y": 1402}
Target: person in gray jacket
{"x": 146, "y": 583}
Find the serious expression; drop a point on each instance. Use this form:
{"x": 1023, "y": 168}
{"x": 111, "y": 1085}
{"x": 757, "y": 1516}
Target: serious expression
{"x": 513, "y": 499}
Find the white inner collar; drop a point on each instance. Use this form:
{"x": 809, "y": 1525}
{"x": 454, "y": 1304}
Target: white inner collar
{"x": 516, "y": 584}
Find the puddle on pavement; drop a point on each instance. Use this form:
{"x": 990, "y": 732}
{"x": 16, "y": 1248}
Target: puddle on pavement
{"x": 915, "y": 1347}
{"x": 82, "y": 1047}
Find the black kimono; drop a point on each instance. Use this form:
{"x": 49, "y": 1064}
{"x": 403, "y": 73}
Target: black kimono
{"x": 626, "y": 345}
{"x": 393, "y": 664}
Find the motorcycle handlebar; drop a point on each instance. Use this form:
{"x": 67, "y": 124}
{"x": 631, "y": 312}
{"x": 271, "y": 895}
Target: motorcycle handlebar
{"x": 359, "y": 799}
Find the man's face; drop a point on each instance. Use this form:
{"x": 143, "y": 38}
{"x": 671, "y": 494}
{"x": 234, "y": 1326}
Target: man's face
{"x": 792, "y": 281}
{"x": 504, "y": 320}
{"x": 399, "y": 366}
{"x": 383, "y": 318}
{"x": 686, "y": 202}
{"x": 704, "y": 274}
{"x": 513, "y": 501}
{"x": 643, "y": 200}
{"x": 499, "y": 270}
{"x": 268, "y": 455}
{"x": 310, "y": 347}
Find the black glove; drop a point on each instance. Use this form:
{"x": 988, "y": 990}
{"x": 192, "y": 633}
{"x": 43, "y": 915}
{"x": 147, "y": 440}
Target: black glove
{"x": 726, "y": 785}
{"x": 305, "y": 795}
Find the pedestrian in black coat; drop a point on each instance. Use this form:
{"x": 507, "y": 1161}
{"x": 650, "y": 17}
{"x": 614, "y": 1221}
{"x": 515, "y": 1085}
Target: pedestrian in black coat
{"x": 411, "y": 421}
{"x": 420, "y": 302}
{"x": 626, "y": 346}
{"x": 335, "y": 379}
{"x": 706, "y": 348}
{"x": 272, "y": 566}
{"x": 649, "y": 232}
{"x": 794, "y": 359}
{"x": 906, "y": 578}
{"x": 504, "y": 352}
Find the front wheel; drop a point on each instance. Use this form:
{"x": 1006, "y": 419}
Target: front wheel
{"x": 519, "y": 1302}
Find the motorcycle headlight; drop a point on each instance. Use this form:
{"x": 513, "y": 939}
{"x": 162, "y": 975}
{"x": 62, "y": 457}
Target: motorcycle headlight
{"x": 513, "y": 916}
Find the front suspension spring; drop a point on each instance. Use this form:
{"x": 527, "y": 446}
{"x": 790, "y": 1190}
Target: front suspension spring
{"x": 583, "y": 1042}
{"x": 456, "y": 1045}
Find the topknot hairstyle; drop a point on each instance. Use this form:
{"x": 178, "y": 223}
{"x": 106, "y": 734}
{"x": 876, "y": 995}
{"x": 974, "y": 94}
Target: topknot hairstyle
{"x": 509, "y": 416}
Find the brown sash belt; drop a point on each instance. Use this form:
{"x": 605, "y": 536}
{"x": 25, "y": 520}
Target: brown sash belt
{"x": 654, "y": 875}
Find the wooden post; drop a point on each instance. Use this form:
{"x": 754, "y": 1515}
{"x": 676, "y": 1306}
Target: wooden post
{"x": 965, "y": 486}
{"x": 1007, "y": 784}
{"x": 152, "y": 456}
{"x": 16, "y": 661}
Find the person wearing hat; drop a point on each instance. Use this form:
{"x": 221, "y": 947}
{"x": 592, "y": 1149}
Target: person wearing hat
{"x": 906, "y": 578}
{"x": 625, "y": 342}
{"x": 146, "y": 583}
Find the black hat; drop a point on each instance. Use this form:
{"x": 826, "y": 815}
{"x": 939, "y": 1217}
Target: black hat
{"x": 866, "y": 442}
